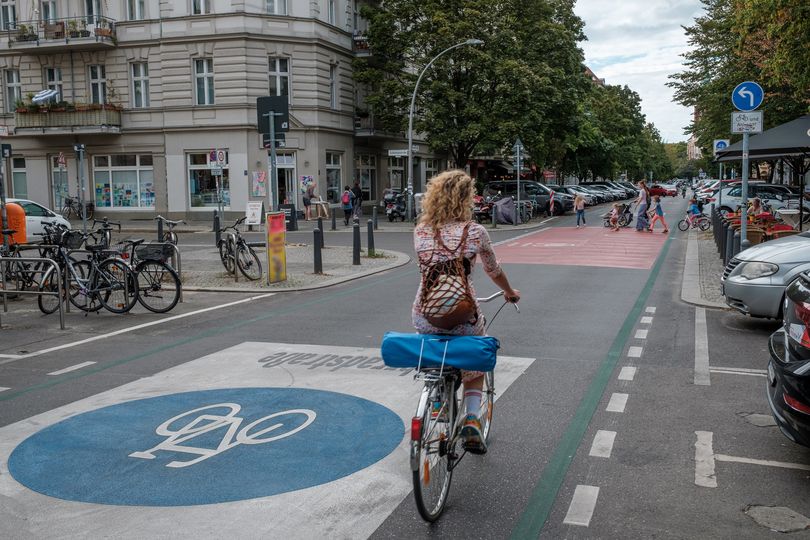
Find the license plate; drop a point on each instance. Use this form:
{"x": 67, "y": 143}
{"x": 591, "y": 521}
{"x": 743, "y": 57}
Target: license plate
{"x": 771, "y": 375}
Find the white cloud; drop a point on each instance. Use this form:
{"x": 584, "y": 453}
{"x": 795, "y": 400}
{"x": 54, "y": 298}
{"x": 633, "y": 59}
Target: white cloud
{"x": 639, "y": 43}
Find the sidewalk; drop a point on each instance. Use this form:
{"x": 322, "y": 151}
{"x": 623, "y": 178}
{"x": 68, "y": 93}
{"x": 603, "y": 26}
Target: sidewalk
{"x": 702, "y": 270}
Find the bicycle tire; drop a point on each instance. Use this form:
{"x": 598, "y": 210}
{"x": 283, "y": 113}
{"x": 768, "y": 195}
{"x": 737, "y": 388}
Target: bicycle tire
{"x": 158, "y": 286}
{"x": 487, "y": 404}
{"x": 48, "y": 304}
{"x": 116, "y": 279}
{"x": 431, "y": 479}
{"x": 683, "y": 225}
{"x": 66, "y": 212}
{"x": 704, "y": 225}
{"x": 226, "y": 256}
{"x": 248, "y": 262}
{"x": 81, "y": 300}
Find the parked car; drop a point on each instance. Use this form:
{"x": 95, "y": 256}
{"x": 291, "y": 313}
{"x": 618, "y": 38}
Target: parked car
{"x": 777, "y": 195}
{"x": 628, "y": 185}
{"x": 600, "y": 195}
{"x": 612, "y": 193}
{"x": 590, "y": 198}
{"x": 529, "y": 190}
{"x": 619, "y": 192}
{"x": 754, "y": 281}
{"x": 563, "y": 202}
{"x": 788, "y": 374}
{"x": 662, "y": 191}
{"x": 35, "y": 214}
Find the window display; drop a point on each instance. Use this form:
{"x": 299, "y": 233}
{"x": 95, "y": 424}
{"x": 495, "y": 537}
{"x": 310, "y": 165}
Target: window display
{"x": 123, "y": 181}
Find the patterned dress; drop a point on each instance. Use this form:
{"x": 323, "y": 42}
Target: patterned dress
{"x": 477, "y": 245}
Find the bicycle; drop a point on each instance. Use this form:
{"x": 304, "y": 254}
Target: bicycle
{"x": 436, "y": 428}
{"x": 235, "y": 252}
{"x": 157, "y": 284}
{"x": 169, "y": 236}
{"x": 700, "y": 221}
{"x": 73, "y": 206}
{"x": 105, "y": 231}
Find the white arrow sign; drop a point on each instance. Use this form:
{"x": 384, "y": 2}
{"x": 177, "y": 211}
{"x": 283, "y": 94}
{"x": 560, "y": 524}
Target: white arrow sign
{"x": 746, "y": 92}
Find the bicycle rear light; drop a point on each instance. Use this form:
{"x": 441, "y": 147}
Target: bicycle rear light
{"x": 416, "y": 428}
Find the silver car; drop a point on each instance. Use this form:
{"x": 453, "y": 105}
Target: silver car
{"x": 754, "y": 281}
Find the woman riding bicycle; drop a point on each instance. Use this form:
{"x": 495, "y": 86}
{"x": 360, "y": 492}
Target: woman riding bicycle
{"x": 446, "y": 226}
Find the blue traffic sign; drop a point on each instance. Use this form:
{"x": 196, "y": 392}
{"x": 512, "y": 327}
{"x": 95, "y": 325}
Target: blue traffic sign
{"x": 206, "y": 447}
{"x": 721, "y": 145}
{"x": 747, "y": 96}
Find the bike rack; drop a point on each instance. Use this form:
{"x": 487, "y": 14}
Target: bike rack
{"x": 59, "y": 287}
{"x": 177, "y": 266}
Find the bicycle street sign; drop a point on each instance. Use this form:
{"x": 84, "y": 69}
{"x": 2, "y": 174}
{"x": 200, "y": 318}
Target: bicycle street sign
{"x": 746, "y": 122}
{"x": 720, "y": 145}
{"x": 747, "y": 96}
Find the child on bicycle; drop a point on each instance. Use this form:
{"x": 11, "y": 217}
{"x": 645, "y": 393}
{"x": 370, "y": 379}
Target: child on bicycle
{"x": 692, "y": 212}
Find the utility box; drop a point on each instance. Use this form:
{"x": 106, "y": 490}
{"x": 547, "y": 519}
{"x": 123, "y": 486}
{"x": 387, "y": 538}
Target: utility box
{"x": 16, "y": 222}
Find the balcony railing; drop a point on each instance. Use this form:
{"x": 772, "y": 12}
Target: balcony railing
{"x": 76, "y": 32}
{"x": 97, "y": 120}
{"x": 360, "y": 44}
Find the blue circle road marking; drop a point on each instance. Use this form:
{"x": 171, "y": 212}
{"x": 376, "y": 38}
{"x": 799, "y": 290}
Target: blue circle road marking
{"x": 747, "y": 96}
{"x": 206, "y": 447}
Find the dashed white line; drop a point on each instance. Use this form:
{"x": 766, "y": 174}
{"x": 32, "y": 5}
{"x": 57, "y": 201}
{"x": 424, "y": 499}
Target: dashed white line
{"x": 634, "y": 352}
{"x": 646, "y": 320}
{"x": 583, "y": 503}
{"x": 72, "y": 368}
{"x": 627, "y": 373}
{"x": 602, "y": 444}
{"x": 704, "y": 460}
{"x": 650, "y": 309}
{"x": 701, "y": 349}
{"x": 641, "y": 334}
{"x": 4, "y": 388}
{"x": 617, "y": 402}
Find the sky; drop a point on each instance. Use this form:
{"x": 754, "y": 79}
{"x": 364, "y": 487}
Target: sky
{"x": 639, "y": 43}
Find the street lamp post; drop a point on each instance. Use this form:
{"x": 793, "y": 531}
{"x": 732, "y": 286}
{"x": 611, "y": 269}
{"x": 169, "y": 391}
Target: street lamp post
{"x": 410, "y": 118}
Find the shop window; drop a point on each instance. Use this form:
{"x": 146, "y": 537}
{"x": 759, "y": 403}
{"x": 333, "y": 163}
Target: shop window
{"x": 365, "y": 172}
{"x": 333, "y": 179}
{"x": 203, "y": 184}
{"x": 123, "y": 181}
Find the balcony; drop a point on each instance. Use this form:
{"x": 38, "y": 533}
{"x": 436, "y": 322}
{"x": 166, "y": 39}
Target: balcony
{"x": 104, "y": 119}
{"x": 71, "y": 33}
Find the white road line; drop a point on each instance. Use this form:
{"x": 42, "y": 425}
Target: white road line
{"x": 634, "y": 352}
{"x": 71, "y": 368}
{"x": 646, "y": 320}
{"x": 766, "y": 462}
{"x": 704, "y": 460}
{"x": 741, "y": 370}
{"x": 641, "y": 334}
{"x": 602, "y": 444}
{"x": 730, "y": 372}
{"x": 4, "y": 388}
{"x": 701, "y": 349}
{"x": 617, "y": 402}
{"x": 14, "y": 356}
{"x": 627, "y": 373}
{"x": 650, "y": 309}
{"x": 582, "y": 506}
{"x": 138, "y": 327}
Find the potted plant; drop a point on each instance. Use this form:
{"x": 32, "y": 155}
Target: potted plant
{"x": 103, "y": 28}
{"x": 26, "y": 33}
{"x": 19, "y": 106}
{"x": 84, "y": 32}
{"x": 73, "y": 28}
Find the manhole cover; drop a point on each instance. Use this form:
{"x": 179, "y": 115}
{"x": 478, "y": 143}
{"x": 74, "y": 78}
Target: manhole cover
{"x": 777, "y": 518}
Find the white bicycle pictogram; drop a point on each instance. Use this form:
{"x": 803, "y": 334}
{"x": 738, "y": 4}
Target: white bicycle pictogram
{"x": 206, "y": 423}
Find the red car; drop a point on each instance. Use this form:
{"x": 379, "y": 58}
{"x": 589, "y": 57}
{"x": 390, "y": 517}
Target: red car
{"x": 661, "y": 191}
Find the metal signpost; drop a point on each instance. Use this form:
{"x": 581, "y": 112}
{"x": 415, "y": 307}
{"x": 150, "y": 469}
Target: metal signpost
{"x": 273, "y": 118}
{"x": 215, "y": 166}
{"x": 518, "y": 148}
{"x": 79, "y": 149}
{"x": 746, "y": 97}
{"x": 720, "y": 144}
{"x": 3, "y": 215}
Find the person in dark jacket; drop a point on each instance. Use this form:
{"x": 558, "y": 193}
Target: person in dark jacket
{"x": 357, "y": 200}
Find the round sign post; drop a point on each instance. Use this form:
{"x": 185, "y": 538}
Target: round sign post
{"x": 746, "y": 96}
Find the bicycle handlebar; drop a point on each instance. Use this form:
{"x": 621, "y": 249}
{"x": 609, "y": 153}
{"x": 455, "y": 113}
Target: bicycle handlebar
{"x": 496, "y": 295}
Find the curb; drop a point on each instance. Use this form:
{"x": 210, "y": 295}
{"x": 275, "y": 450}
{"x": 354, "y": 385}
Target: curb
{"x": 402, "y": 260}
{"x": 690, "y": 286}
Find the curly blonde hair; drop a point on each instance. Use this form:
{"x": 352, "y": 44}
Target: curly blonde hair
{"x": 449, "y": 198}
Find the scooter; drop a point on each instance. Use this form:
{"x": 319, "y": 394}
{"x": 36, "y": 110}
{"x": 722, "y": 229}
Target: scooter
{"x": 482, "y": 208}
{"x": 395, "y": 207}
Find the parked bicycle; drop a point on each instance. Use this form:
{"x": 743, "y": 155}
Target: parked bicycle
{"x": 169, "y": 235}
{"x": 157, "y": 284}
{"x": 235, "y": 252}
{"x": 103, "y": 235}
{"x": 72, "y": 205}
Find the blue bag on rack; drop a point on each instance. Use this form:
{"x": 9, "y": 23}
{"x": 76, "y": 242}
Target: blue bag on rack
{"x": 474, "y": 353}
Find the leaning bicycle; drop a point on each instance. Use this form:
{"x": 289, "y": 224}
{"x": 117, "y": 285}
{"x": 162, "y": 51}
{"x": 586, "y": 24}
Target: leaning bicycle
{"x": 234, "y": 252}
{"x": 436, "y": 446}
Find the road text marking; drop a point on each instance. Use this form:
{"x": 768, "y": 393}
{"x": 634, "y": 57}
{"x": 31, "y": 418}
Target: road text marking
{"x": 617, "y": 402}
{"x": 646, "y": 320}
{"x": 650, "y": 309}
{"x": 704, "y": 460}
{"x": 72, "y": 368}
{"x": 634, "y": 352}
{"x": 582, "y": 506}
{"x": 627, "y": 373}
{"x": 641, "y": 334}
{"x": 602, "y": 444}
{"x": 701, "y": 349}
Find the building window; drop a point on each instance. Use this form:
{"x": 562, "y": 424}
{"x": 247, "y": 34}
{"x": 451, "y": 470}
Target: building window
{"x": 365, "y": 172}
{"x": 49, "y": 14}
{"x": 200, "y": 7}
{"x": 98, "y": 84}
{"x": 203, "y": 185}
{"x": 92, "y": 9}
{"x": 8, "y": 14}
{"x": 285, "y": 165}
{"x": 13, "y": 89}
{"x": 333, "y": 180}
{"x": 431, "y": 169}
{"x": 333, "y": 87}
{"x": 277, "y": 7}
{"x": 53, "y": 81}
{"x": 124, "y": 181}
{"x": 204, "y": 81}
{"x": 19, "y": 184}
{"x": 396, "y": 172}
{"x": 140, "y": 85}
{"x": 279, "y": 74}
{"x": 330, "y": 11}
{"x": 136, "y": 10}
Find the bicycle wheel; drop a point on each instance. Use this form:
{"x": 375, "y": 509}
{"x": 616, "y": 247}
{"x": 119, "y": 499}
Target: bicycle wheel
{"x": 683, "y": 225}
{"x": 115, "y": 282}
{"x": 80, "y": 288}
{"x": 158, "y": 286}
{"x": 487, "y": 404}
{"x": 47, "y": 303}
{"x": 226, "y": 256}
{"x": 705, "y": 224}
{"x": 432, "y": 470}
{"x": 248, "y": 262}
{"x": 66, "y": 212}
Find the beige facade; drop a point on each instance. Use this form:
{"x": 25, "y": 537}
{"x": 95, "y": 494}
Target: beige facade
{"x": 180, "y": 79}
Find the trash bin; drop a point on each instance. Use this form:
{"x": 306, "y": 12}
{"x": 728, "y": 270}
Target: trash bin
{"x": 290, "y": 216}
{"x": 16, "y": 222}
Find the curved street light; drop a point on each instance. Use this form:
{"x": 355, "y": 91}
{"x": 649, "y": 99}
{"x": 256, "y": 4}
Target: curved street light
{"x": 471, "y": 41}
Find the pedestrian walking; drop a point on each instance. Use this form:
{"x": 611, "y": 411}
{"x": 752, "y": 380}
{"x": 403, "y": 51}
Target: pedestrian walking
{"x": 579, "y": 206}
{"x": 346, "y": 202}
{"x": 643, "y": 203}
{"x": 658, "y": 215}
{"x": 309, "y": 194}
{"x": 357, "y": 200}
{"x": 683, "y": 191}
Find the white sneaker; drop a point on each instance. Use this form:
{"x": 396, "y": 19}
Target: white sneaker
{"x": 577, "y": 226}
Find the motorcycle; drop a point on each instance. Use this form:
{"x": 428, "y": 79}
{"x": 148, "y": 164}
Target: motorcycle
{"x": 482, "y": 208}
{"x": 395, "y": 206}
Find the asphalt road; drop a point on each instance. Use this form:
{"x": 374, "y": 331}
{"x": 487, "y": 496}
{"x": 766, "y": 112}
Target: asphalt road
{"x": 594, "y": 437}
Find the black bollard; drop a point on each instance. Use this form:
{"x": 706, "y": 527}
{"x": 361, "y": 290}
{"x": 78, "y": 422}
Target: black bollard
{"x": 729, "y": 245}
{"x": 356, "y": 244}
{"x": 316, "y": 249}
{"x": 736, "y": 247}
{"x": 160, "y": 230}
{"x": 370, "y": 238}
{"x": 334, "y": 219}
{"x": 494, "y": 220}
{"x": 374, "y": 216}
{"x": 721, "y": 245}
{"x": 320, "y": 228}
{"x": 217, "y": 227}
